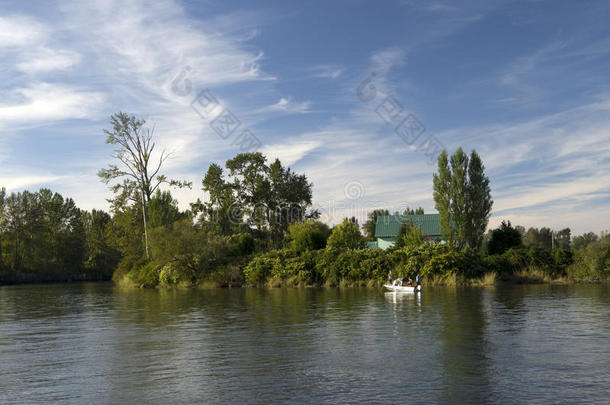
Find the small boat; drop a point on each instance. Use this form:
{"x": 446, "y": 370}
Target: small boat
{"x": 403, "y": 288}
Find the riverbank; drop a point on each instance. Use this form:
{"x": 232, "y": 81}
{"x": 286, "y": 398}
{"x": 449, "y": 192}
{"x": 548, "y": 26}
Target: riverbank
{"x": 437, "y": 264}
{"x": 492, "y": 279}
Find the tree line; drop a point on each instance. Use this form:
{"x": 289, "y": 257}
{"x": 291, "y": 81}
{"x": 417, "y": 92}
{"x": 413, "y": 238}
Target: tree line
{"x": 257, "y": 226}
{"x": 45, "y": 237}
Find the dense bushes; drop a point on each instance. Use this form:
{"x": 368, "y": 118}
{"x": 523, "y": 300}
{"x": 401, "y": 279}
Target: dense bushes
{"x": 308, "y": 235}
{"x": 431, "y": 261}
{"x": 184, "y": 254}
{"x": 551, "y": 263}
{"x": 592, "y": 262}
{"x": 331, "y": 266}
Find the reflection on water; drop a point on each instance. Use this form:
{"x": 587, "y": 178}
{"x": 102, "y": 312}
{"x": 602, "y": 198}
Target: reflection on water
{"x": 75, "y": 343}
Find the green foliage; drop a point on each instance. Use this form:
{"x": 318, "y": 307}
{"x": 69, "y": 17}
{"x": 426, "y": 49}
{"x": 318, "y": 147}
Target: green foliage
{"x": 478, "y": 201}
{"x": 371, "y": 223}
{"x": 308, "y": 235}
{"x": 563, "y": 239}
{"x": 46, "y": 236}
{"x": 101, "y": 256}
{"x": 538, "y": 238}
{"x": 259, "y": 269}
{"x": 138, "y": 175}
{"x": 459, "y": 192}
{"x": 242, "y": 244}
{"x": 442, "y": 198}
{"x": 163, "y": 210}
{"x": 592, "y": 261}
{"x": 264, "y": 197}
{"x": 584, "y": 240}
{"x": 409, "y": 235}
{"x": 345, "y": 236}
{"x": 146, "y": 275}
{"x": 503, "y": 238}
{"x": 462, "y": 196}
{"x": 552, "y": 264}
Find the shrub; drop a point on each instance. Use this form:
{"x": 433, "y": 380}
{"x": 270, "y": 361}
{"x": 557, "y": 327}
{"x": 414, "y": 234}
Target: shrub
{"x": 308, "y": 235}
{"x": 503, "y": 238}
{"x": 345, "y": 236}
{"x": 258, "y": 270}
{"x": 146, "y": 275}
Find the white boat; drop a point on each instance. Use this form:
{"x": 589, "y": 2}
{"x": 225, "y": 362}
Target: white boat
{"x": 403, "y": 288}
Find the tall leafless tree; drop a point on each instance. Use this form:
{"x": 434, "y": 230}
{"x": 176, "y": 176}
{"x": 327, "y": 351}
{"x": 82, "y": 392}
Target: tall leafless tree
{"x": 138, "y": 169}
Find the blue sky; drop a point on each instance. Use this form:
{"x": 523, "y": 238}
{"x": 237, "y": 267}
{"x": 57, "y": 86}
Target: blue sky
{"x": 525, "y": 83}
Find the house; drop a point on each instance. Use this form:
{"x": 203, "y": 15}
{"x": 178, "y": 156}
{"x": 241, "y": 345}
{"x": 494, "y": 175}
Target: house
{"x": 387, "y": 227}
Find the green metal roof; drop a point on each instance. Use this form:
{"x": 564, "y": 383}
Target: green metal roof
{"x": 388, "y": 225}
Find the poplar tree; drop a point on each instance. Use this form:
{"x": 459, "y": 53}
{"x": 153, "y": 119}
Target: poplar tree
{"x": 458, "y": 206}
{"x": 478, "y": 200}
{"x": 462, "y": 197}
{"x": 442, "y": 198}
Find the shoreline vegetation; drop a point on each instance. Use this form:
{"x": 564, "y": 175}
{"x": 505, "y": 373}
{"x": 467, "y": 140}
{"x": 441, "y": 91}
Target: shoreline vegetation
{"x": 257, "y": 228}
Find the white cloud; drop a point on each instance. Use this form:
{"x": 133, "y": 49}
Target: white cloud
{"x": 17, "y": 31}
{"x": 327, "y": 71}
{"x": 45, "y": 60}
{"x": 291, "y": 152}
{"x": 48, "y": 102}
{"x": 288, "y": 106}
{"x": 20, "y": 181}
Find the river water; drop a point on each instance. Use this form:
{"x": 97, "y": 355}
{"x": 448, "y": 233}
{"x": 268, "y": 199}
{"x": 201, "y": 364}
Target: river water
{"x": 96, "y": 343}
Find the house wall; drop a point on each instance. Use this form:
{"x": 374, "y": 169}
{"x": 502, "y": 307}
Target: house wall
{"x": 385, "y": 243}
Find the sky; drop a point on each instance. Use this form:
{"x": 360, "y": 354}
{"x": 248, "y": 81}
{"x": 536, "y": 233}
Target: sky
{"x": 358, "y": 95}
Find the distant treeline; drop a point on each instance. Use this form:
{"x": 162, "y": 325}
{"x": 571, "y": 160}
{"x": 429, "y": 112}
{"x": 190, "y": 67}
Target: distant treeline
{"x": 45, "y": 237}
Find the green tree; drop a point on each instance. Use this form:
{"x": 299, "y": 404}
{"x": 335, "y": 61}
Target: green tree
{"x": 222, "y": 208}
{"x": 265, "y": 197}
{"x": 503, "y": 238}
{"x": 3, "y": 223}
{"x": 584, "y": 240}
{"x": 459, "y": 195}
{"x": 563, "y": 239}
{"x": 371, "y": 223}
{"x": 163, "y": 210}
{"x": 345, "y": 236}
{"x": 308, "y": 235}
{"x": 139, "y": 171}
{"x": 478, "y": 201}
{"x": 100, "y": 256}
{"x": 411, "y": 211}
{"x": 462, "y": 197}
{"x": 442, "y": 198}
{"x": 541, "y": 238}
{"x": 409, "y": 235}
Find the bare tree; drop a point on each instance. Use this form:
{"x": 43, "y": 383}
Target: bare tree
{"x": 139, "y": 171}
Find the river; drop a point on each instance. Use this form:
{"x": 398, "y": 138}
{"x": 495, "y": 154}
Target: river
{"x": 97, "y": 343}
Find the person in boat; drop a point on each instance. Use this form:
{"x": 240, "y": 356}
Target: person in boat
{"x": 390, "y": 277}
{"x": 407, "y": 281}
{"x": 418, "y": 279}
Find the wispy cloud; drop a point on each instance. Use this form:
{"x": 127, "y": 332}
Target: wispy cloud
{"x": 17, "y": 31}
{"x": 44, "y": 102}
{"x": 45, "y": 60}
{"x": 291, "y": 153}
{"x": 288, "y": 106}
{"x": 327, "y": 71}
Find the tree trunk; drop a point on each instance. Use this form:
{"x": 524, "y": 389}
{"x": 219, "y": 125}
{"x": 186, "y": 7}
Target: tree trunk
{"x": 145, "y": 226}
